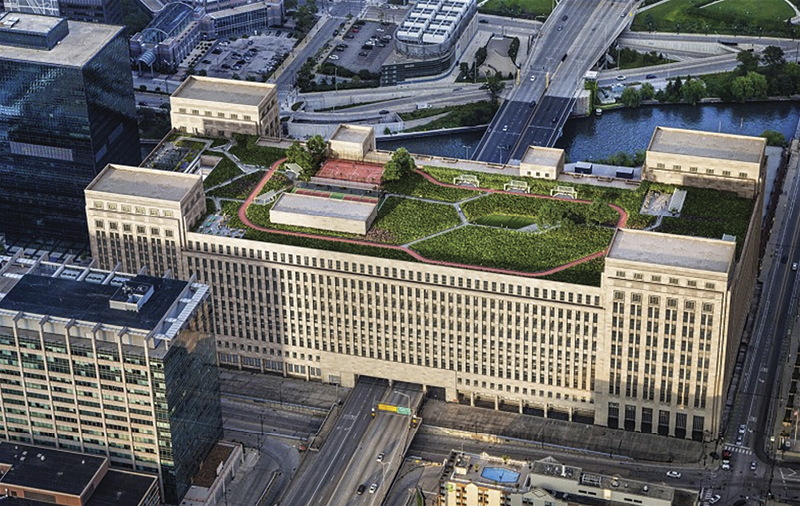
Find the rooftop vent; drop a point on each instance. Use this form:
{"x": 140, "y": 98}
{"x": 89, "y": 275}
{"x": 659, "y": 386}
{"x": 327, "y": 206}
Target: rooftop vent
{"x": 131, "y": 296}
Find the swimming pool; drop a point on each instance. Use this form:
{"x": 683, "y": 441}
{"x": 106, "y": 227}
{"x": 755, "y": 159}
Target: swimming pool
{"x": 499, "y": 475}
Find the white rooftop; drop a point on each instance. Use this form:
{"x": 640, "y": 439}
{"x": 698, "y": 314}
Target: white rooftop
{"x": 707, "y": 144}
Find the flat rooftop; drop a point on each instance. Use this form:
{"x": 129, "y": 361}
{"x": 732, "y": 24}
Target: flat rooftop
{"x": 209, "y": 89}
{"x": 308, "y": 205}
{"x": 86, "y": 301}
{"x": 48, "y": 469}
{"x": 31, "y": 23}
{"x": 141, "y": 182}
{"x": 686, "y": 252}
{"x": 707, "y": 144}
{"x": 536, "y": 155}
{"x": 81, "y": 44}
{"x": 351, "y": 133}
{"x": 207, "y": 474}
{"x": 122, "y": 488}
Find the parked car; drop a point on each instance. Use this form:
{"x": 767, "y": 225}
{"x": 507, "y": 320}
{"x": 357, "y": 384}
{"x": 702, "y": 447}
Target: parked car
{"x": 333, "y": 57}
{"x": 362, "y": 53}
{"x": 673, "y": 474}
{"x": 794, "y": 266}
{"x": 349, "y": 36}
{"x": 726, "y": 464}
{"x": 742, "y": 429}
{"x": 753, "y": 465}
{"x": 715, "y": 499}
{"x": 739, "y": 440}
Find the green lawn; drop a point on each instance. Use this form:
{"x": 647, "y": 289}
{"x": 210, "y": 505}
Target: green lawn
{"x": 629, "y": 200}
{"x": 588, "y": 273}
{"x": 251, "y": 153}
{"x": 740, "y": 17}
{"x": 277, "y": 182}
{"x": 518, "y": 8}
{"x": 417, "y": 186}
{"x": 403, "y": 220}
{"x": 225, "y": 170}
{"x": 505, "y": 221}
{"x": 711, "y": 213}
{"x": 522, "y": 251}
{"x": 476, "y": 113}
{"x": 541, "y": 211}
{"x": 240, "y": 188}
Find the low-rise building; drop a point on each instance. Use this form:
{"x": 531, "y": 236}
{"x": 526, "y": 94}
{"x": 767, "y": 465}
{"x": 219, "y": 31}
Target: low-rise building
{"x": 541, "y": 162}
{"x": 38, "y": 476}
{"x": 481, "y": 480}
{"x": 221, "y": 108}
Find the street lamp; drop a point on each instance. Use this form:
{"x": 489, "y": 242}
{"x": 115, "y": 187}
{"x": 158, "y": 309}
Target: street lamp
{"x": 408, "y": 398}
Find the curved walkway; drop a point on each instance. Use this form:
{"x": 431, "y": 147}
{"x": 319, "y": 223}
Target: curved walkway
{"x": 623, "y": 218}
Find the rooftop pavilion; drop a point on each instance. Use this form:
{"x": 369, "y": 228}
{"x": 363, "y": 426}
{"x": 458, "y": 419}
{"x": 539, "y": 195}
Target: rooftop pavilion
{"x": 707, "y": 145}
{"x": 149, "y": 184}
{"x": 209, "y": 89}
{"x": 683, "y": 252}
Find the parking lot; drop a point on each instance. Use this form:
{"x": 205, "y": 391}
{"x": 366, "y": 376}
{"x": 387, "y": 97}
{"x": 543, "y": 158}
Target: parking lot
{"x": 253, "y": 56}
{"x": 361, "y": 52}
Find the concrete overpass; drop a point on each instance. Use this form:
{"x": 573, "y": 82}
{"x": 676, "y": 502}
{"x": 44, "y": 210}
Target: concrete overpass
{"x": 572, "y": 39}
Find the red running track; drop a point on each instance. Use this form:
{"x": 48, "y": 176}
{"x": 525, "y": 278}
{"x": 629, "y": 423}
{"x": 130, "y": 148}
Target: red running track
{"x": 623, "y": 218}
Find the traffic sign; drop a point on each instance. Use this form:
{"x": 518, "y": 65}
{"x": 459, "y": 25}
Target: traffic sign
{"x": 403, "y": 411}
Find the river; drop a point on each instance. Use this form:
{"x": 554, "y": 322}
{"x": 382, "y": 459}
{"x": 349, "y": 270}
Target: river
{"x": 628, "y": 130}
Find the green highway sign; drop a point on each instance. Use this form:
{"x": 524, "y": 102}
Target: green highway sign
{"x": 403, "y": 411}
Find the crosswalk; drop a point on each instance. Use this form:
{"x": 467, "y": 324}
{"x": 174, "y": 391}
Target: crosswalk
{"x": 738, "y": 449}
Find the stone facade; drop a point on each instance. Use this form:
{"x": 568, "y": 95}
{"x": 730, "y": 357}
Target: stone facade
{"x": 221, "y": 108}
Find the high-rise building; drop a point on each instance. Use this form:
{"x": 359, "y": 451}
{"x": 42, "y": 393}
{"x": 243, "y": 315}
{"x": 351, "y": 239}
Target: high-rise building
{"x": 651, "y": 347}
{"x": 110, "y": 364}
{"x": 92, "y": 11}
{"x": 66, "y": 110}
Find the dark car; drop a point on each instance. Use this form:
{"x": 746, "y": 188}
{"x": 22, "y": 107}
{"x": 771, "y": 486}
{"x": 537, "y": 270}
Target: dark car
{"x": 650, "y": 76}
{"x": 226, "y": 66}
{"x": 564, "y": 17}
{"x": 216, "y": 51}
{"x": 559, "y": 28}
{"x": 335, "y": 33}
{"x": 384, "y": 112}
{"x": 385, "y": 23}
{"x": 483, "y": 21}
{"x": 362, "y": 53}
{"x": 349, "y": 36}
{"x": 360, "y": 490}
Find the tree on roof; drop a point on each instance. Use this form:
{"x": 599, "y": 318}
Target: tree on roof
{"x": 400, "y": 165}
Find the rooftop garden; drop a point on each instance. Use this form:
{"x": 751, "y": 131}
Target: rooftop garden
{"x": 423, "y": 217}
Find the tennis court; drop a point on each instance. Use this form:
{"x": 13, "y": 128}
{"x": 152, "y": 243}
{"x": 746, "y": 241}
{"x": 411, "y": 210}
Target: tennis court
{"x": 346, "y": 170}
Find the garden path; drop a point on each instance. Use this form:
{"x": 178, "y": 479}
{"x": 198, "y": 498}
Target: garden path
{"x": 599, "y": 254}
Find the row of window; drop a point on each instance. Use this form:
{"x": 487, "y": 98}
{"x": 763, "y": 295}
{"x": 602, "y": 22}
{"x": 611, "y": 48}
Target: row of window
{"x": 125, "y": 208}
{"x": 725, "y": 173}
{"x": 656, "y": 278}
{"x": 128, "y": 228}
{"x": 220, "y": 114}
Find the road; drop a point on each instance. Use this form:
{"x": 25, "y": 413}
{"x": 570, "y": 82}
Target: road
{"x": 572, "y": 39}
{"x": 758, "y": 385}
{"x": 388, "y": 434}
{"x": 322, "y": 472}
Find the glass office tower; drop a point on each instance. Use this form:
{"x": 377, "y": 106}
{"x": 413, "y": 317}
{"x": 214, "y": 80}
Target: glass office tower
{"x": 66, "y": 110}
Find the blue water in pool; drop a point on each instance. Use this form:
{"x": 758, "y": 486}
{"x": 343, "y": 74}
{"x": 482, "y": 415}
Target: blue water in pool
{"x": 499, "y": 475}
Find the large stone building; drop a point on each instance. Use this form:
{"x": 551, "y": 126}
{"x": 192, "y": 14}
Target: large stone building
{"x": 66, "y": 110}
{"x": 650, "y": 349}
{"x": 220, "y": 107}
{"x": 109, "y": 364}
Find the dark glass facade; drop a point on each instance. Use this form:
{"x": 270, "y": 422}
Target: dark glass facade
{"x": 187, "y": 400}
{"x": 59, "y": 126}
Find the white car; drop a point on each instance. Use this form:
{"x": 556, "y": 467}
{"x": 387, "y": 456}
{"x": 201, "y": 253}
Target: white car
{"x": 505, "y": 128}
{"x": 373, "y": 488}
{"x": 621, "y": 78}
{"x": 794, "y": 266}
{"x": 533, "y": 78}
{"x": 333, "y": 57}
{"x": 715, "y": 499}
{"x": 673, "y": 474}
{"x": 726, "y": 465}
{"x": 753, "y": 465}
{"x": 380, "y": 457}
{"x": 742, "y": 429}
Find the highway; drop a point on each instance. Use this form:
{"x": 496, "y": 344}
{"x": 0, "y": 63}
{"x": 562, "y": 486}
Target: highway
{"x": 321, "y": 473}
{"x": 572, "y": 39}
{"x": 388, "y": 434}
